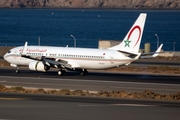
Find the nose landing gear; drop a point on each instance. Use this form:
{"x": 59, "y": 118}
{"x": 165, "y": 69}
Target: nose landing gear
{"x": 17, "y": 70}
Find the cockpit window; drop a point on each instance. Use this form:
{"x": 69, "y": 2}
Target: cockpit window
{"x": 9, "y": 51}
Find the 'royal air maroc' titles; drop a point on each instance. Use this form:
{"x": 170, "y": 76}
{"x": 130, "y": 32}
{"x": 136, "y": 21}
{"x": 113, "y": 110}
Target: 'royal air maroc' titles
{"x": 34, "y": 50}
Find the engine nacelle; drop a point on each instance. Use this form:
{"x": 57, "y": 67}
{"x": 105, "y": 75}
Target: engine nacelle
{"x": 38, "y": 66}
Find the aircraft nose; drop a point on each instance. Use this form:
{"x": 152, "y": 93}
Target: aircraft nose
{"x": 5, "y": 56}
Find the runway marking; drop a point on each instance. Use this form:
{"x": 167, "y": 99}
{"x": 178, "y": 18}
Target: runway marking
{"x": 5, "y": 119}
{"x": 3, "y": 81}
{"x": 131, "y": 105}
{"x": 135, "y": 105}
{"x": 2, "y": 98}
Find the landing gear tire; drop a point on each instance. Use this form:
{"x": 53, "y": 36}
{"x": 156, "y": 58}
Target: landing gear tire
{"x": 17, "y": 70}
{"x": 62, "y": 72}
{"x": 59, "y": 72}
{"x": 85, "y": 72}
{"x": 46, "y": 67}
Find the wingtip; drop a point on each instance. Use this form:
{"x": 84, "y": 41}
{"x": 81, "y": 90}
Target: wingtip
{"x": 24, "y": 48}
{"x": 158, "y": 51}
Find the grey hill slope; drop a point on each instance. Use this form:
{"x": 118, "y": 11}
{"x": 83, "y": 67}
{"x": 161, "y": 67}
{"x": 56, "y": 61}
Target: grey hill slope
{"x": 119, "y": 4}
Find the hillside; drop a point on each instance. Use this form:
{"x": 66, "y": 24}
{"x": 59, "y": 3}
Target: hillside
{"x": 119, "y": 4}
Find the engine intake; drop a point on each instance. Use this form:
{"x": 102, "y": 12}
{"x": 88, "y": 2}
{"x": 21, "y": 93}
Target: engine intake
{"x": 38, "y": 66}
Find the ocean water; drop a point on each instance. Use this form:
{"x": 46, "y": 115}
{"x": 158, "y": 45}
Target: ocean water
{"x": 88, "y": 26}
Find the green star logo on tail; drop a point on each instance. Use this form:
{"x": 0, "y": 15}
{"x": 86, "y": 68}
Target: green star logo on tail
{"x": 127, "y": 42}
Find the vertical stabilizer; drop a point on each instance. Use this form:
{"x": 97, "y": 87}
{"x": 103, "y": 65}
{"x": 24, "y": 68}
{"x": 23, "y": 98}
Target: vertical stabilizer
{"x": 132, "y": 40}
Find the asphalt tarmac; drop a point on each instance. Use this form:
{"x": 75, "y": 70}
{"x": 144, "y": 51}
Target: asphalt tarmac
{"x": 33, "y": 106}
{"x": 50, "y": 107}
{"x": 94, "y": 81}
{"x": 90, "y": 85}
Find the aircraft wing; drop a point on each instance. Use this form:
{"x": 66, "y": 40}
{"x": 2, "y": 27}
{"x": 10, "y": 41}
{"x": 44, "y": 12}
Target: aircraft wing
{"x": 56, "y": 63}
{"x": 152, "y": 54}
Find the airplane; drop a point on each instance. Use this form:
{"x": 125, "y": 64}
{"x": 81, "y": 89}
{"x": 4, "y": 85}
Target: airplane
{"x": 42, "y": 58}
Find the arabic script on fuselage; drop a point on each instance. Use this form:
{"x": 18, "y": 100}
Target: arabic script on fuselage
{"x": 34, "y": 50}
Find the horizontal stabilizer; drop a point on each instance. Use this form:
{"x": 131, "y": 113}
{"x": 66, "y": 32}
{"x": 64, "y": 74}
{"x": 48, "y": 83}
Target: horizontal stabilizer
{"x": 152, "y": 54}
{"x": 158, "y": 51}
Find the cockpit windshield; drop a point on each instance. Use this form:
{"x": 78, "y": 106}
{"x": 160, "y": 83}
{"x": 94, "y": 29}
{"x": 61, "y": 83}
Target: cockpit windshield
{"x": 9, "y": 51}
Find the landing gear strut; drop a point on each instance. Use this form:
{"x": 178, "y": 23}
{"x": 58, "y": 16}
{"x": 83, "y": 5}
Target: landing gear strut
{"x": 17, "y": 70}
{"x": 83, "y": 72}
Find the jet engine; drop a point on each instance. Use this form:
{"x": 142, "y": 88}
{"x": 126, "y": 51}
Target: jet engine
{"x": 38, "y": 66}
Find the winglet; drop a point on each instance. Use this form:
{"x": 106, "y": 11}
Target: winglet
{"x": 24, "y": 48}
{"x": 157, "y": 51}
{"x": 152, "y": 54}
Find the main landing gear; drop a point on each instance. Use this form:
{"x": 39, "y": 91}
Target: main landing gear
{"x": 83, "y": 72}
{"x": 62, "y": 72}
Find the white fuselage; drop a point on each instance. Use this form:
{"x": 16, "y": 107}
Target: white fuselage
{"x": 84, "y": 58}
{"x": 42, "y": 58}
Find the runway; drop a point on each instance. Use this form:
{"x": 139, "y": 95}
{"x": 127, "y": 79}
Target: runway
{"x": 34, "y": 106}
{"x": 94, "y": 81}
{"x": 48, "y": 107}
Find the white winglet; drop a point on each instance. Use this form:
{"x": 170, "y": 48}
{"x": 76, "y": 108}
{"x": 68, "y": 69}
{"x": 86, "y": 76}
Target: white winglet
{"x": 157, "y": 51}
{"x": 152, "y": 54}
{"x": 24, "y": 48}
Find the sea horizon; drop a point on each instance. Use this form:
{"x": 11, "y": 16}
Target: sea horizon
{"x": 88, "y": 26}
